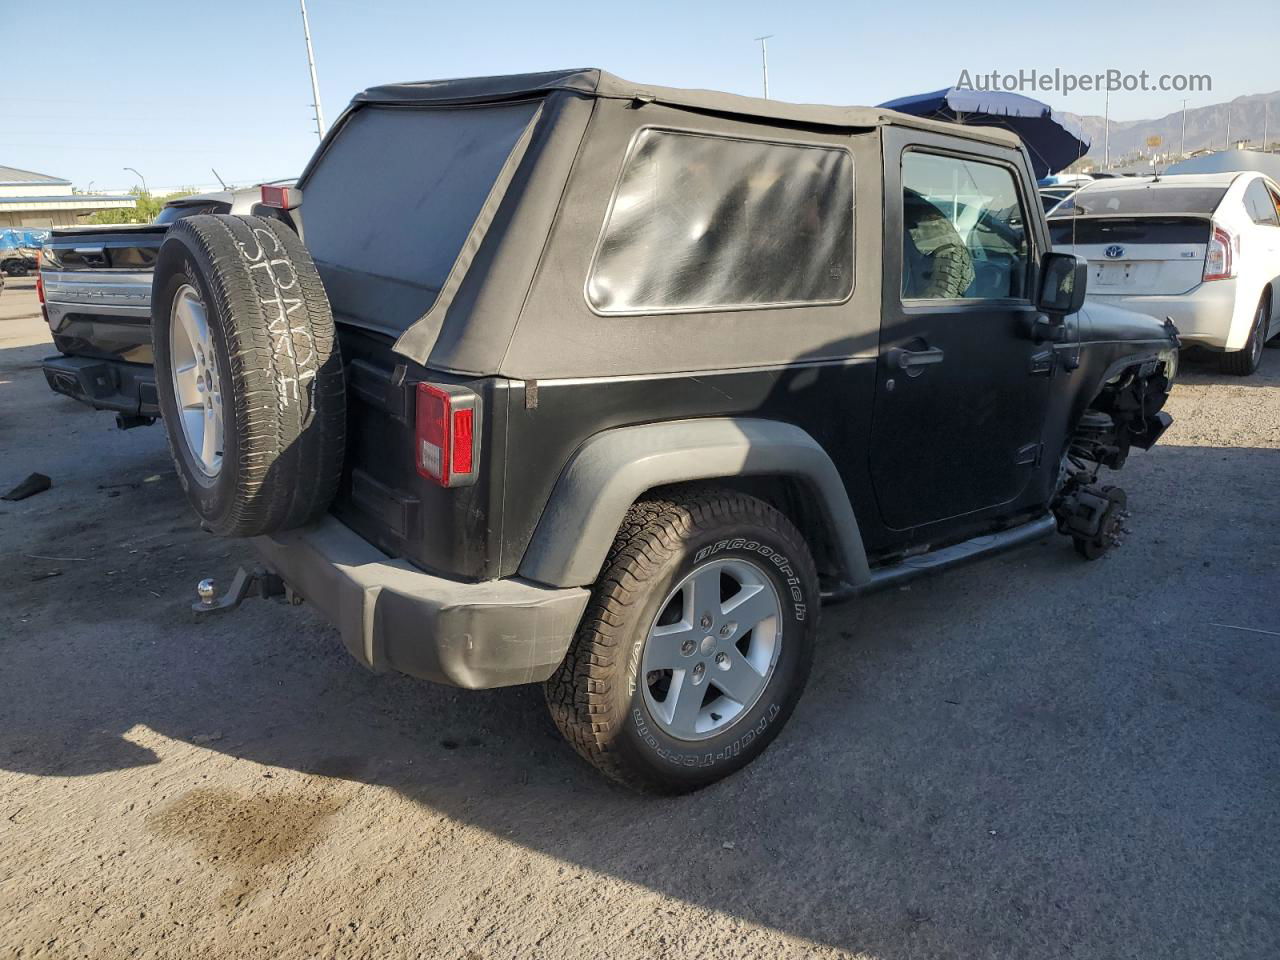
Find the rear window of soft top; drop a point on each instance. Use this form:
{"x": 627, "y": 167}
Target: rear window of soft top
{"x": 392, "y": 199}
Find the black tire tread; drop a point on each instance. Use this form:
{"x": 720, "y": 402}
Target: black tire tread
{"x": 653, "y": 531}
{"x": 952, "y": 272}
{"x": 290, "y": 455}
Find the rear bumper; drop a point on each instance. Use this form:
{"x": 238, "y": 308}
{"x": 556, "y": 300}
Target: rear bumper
{"x": 1203, "y": 315}
{"x": 101, "y": 330}
{"x": 128, "y": 388}
{"x": 393, "y": 616}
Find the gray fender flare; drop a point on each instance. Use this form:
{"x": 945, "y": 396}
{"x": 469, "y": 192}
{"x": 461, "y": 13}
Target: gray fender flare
{"x": 611, "y": 470}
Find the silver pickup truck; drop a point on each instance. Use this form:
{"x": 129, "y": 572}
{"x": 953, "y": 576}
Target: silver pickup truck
{"x": 95, "y": 288}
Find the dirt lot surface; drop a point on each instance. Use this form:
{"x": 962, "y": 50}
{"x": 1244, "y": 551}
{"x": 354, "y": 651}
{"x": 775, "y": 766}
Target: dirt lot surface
{"x": 1033, "y": 758}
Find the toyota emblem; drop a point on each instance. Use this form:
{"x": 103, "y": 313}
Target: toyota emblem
{"x": 1115, "y": 251}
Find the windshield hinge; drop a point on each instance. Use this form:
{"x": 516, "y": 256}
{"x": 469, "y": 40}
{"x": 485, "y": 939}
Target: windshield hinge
{"x": 1043, "y": 362}
{"x": 1029, "y": 455}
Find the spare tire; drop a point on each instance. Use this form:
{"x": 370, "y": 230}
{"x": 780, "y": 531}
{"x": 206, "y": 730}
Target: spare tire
{"x": 248, "y": 373}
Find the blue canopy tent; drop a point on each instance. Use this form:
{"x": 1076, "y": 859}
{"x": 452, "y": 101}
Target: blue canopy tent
{"x": 1050, "y": 145}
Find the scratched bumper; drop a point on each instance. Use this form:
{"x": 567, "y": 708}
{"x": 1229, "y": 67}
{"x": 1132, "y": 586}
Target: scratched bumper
{"x": 392, "y": 616}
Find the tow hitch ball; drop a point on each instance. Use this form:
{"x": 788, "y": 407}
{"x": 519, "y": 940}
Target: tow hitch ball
{"x": 245, "y": 584}
{"x": 1094, "y": 516}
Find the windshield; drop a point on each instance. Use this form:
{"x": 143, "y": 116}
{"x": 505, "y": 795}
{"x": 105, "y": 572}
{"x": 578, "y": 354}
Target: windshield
{"x": 1155, "y": 197}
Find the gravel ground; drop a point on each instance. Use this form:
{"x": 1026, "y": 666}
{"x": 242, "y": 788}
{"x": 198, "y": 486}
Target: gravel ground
{"x": 1033, "y": 758}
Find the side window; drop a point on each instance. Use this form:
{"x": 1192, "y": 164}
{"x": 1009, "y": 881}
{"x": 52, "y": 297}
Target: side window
{"x": 702, "y": 222}
{"x": 963, "y": 230}
{"x": 1258, "y": 203}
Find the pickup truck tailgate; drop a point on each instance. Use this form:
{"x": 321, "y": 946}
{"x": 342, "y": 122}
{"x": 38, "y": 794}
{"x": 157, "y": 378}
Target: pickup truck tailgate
{"x": 97, "y": 286}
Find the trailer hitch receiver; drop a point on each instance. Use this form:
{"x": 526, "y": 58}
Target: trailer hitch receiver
{"x": 245, "y": 584}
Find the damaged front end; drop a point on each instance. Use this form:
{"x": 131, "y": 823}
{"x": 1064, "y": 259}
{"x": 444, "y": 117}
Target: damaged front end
{"x": 1126, "y": 413}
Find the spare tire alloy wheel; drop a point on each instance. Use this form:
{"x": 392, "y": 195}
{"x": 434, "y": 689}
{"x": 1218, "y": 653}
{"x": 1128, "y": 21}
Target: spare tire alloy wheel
{"x": 196, "y": 382}
{"x": 248, "y": 373}
{"x": 695, "y": 646}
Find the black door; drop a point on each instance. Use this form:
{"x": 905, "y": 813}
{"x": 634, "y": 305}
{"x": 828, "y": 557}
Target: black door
{"x": 961, "y": 389}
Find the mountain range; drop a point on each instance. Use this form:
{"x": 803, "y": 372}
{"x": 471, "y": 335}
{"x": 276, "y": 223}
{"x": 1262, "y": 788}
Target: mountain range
{"x": 1206, "y": 127}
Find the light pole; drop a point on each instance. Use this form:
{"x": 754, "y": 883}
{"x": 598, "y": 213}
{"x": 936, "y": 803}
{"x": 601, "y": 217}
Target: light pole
{"x": 1183, "y": 149}
{"x": 1227, "y": 146}
{"x": 1106, "y": 132}
{"x": 764, "y": 60}
{"x": 311, "y": 64}
{"x": 140, "y": 177}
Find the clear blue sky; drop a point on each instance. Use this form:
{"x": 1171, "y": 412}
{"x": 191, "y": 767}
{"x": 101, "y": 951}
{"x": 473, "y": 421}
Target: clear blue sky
{"x": 175, "y": 88}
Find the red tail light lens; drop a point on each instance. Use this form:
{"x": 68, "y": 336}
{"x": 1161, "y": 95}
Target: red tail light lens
{"x": 282, "y": 198}
{"x": 446, "y": 435}
{"x": 39, "y": 280}
{"x": 1219, "y": 259}
{"x": 463, "y": 438}
{"x": 433, "y": 445}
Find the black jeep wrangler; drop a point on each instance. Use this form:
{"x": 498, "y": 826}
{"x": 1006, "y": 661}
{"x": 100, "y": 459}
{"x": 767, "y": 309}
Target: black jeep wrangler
{"x": 557, "y": 378}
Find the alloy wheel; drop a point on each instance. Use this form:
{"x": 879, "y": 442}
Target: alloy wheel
{"x": 712, "y": 649}
{"x": 196, "y": 384}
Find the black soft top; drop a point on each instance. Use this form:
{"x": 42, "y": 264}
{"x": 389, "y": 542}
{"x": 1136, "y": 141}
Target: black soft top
{"x": 514, "y": 304}
{"x": 594, "y": 82}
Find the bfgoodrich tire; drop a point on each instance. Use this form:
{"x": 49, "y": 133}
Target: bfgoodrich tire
{"x": 695, "y": 646}
{"x": 248, "y": 373}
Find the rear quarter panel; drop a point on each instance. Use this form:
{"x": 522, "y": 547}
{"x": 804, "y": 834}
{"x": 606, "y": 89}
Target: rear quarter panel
{"x": 455, "y": 532}
{"x": 1257, "y": 262}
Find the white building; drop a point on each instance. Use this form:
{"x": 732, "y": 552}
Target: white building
{"x": 35, "y": 200}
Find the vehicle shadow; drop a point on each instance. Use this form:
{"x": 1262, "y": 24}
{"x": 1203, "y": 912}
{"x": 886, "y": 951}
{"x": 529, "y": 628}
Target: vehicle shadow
{"x": 1018, "y": 752}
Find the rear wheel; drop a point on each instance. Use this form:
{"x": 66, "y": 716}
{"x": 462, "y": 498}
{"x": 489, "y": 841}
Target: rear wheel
{"x": 695, "y": 646}
{"x": 1243, "y": 363}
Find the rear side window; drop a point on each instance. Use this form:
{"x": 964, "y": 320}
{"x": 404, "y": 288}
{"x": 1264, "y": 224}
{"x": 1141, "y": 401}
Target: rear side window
{"x": 701, "y": 222}
{"x": 392, "y": 199}
{"x": 1257, "y": 202}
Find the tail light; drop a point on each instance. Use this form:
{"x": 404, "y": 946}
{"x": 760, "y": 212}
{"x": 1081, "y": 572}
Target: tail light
{"x": 39, "y": 280}
{"x": 1219, "y": 260}
{"x": 281, "y": 198}
{"x": 447, "y": 434}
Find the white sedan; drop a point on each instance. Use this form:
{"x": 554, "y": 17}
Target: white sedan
{"x": 1203, "y": 249}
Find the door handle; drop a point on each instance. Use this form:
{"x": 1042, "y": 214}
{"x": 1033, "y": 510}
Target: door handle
{"x": 911, "y": 361}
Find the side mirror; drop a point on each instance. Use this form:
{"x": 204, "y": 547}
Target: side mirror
{"x": 1063, "y": 277}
